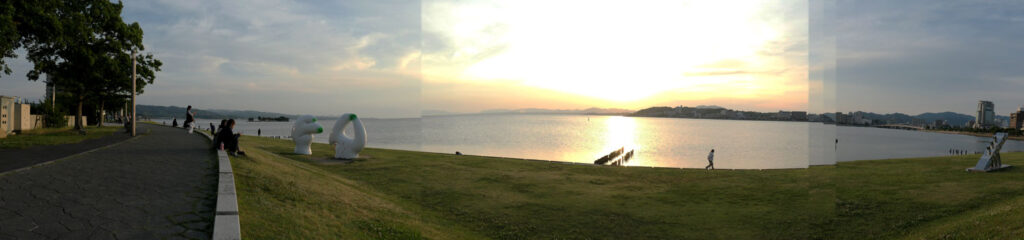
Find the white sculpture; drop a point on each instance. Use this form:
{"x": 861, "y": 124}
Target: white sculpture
{"x": 302, "y": 134}
{"x": 346, "y": 147}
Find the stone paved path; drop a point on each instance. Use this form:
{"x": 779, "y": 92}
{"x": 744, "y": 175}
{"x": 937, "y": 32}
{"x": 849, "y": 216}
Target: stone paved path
{"x": 161, "y": 185}
{"x": 19, "y": 158}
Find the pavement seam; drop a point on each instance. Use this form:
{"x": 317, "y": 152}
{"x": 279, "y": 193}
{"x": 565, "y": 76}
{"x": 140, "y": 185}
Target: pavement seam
{"x": 72, "y": 156}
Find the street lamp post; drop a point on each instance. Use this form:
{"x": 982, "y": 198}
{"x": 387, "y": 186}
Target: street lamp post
{"x": 133, "y": 92}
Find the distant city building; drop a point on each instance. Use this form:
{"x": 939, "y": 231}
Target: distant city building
{"x": 50, "y": 89}
{"x": 783, "y": 115}
{"x": 799, "y": 116}
{"x": 939, "y": 123}
{"x": 1017, "y": 119}
{"x": 969, "y": 123}
{"x": 917, "y": 122}
{"x": 844, "y": 118}
{"x": 986, "y": 115}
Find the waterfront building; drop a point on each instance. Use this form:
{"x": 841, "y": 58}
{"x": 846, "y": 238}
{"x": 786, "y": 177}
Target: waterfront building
{"x": 783, "y": 115}
{"x": 799, "y": 116}
{"x": 986, "y": 115}
{"x": 857, "y": 118}
{"x": 1017, "y": 119}
{"x": 842, "y": 118}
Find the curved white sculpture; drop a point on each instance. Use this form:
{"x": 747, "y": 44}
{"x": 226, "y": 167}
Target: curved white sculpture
{"x": 302, "y": 134}
{"x": 346, "y": 147}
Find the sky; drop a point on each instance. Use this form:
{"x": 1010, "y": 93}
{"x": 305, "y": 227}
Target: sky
{"x": 918, "y": 56}
{"x": 296, "y": 57}
{"x": 393, "y": 59}
{"x": 609, "y": 54}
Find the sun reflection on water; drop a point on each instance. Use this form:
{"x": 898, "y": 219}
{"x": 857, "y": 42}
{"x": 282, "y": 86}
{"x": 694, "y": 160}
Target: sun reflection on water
{"x": 620, "y": 133}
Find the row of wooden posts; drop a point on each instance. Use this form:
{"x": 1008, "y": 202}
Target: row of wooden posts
{"x": 613, "y": 157}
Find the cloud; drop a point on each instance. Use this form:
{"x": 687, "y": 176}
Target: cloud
{"x": 918, "y": 56}
{"x": 265, "y": 54}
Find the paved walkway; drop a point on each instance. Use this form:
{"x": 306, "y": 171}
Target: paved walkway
{"x": 160, "y": 185}
{"x": 20, "y": 158}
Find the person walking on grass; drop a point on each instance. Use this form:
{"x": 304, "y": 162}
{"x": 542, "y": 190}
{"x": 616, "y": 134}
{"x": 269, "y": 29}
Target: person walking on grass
{"x": 711, "y": 160}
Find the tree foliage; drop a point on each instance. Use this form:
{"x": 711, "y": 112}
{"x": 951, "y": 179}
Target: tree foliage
{"x": 83, "y": 46}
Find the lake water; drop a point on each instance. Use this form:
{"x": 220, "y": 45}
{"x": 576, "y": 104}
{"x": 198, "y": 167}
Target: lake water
{"x": 661, "y": 142}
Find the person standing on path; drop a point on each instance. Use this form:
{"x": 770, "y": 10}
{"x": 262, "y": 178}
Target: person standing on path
{"x": 189, "y": 119}
{"x": 259, "y": 132}
{"x": 711, "y": 160}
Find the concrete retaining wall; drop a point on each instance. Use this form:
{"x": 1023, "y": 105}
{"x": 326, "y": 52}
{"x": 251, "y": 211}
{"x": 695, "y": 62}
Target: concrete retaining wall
{"x": 225, "y": 223}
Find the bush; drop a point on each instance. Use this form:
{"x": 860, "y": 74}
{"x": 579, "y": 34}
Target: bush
{"x": 53, "y": 117}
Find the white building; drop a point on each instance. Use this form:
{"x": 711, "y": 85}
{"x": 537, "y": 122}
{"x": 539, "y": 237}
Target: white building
{"x": 15, "y": 116}
{"x": 986, "y": 115}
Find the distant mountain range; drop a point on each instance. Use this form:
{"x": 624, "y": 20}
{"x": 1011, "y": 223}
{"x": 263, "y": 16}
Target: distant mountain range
{"x": 151, "y": 111}
{"x": 558, "y": 111}
{"x": 951, "y": 118}
{"x": 594, "y": 111}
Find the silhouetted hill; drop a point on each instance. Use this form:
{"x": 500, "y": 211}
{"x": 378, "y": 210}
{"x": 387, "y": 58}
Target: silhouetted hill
{"x": 151, "y": 111}
{"x": 952, "y": 118}
{"x": 599, "y": 111}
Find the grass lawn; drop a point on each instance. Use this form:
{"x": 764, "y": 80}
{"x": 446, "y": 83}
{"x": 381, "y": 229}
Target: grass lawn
{"x": 54, "y": 136}
{"x": 412, "y": 195}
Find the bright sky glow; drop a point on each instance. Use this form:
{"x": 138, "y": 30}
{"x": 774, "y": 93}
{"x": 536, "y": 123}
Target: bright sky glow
{"x": 624, "y": 55}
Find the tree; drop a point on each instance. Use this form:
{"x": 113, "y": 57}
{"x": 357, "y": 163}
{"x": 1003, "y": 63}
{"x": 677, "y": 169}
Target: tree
{"x": 83, "y": 46}
{"x": 119, "y": 77}
{"x": 9, "y": 37}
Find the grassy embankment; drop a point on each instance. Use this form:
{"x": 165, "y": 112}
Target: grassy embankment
{"x": 409, "y": 195}
{"x": 54, "y": 136}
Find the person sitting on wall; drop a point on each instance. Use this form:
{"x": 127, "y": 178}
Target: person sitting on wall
{"x": 216, "y": 135}
{"x": 230, "y": 139}
{"x": 174, "y": 123}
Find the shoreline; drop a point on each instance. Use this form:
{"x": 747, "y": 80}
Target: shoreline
{"x": 975, "y": 134}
